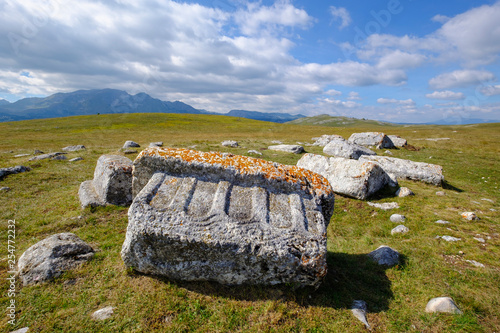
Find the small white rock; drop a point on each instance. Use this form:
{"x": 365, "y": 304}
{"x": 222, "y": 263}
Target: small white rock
{"x": 400, "y": 229}
{"x": 475, "y": 263}
{"x": 440, "y": 193}
{"x": 480, "y": 239}
{"x": 21, "y": 330}
{"x": 450, "y": 238}
{"x": 397, "y": 218}
{"x": 384, "y": 206}
{"x": 359, "y": 309}
{"x": 404, "y": 192}
{"x": 76, "y": 159}
{"x": 103, "y": 314}
{"x": 470, "y": 216}
{"x": 230, "y": 143}
{"x": 442, "y": 222}
{"x": 442, "y": 304}
{"x": 255, "y": 152}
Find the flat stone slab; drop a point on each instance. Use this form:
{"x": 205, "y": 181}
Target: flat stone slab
{"x": 340, "y": 147}
{"x": 51, "y": 257}
{"x": 347, "y": 177}
{"x": 4, "y": 172}
{"x": 384, "y": 205}
{"x": 46, "y": 156}
{"x": 376, "y": 139}
{"x": 406, "y": 169}
{"x": 295, "y": 149}
{"x": 74, "y": 148}
{"x": 398, "y": 141}
{"x": 227, "y": 218}
{"x": 112, "y": 183}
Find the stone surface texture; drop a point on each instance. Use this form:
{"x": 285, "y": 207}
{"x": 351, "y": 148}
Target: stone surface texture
{"x": 227, "y": 218}
{"x": 74, "y": 148}
{"x": 51, "y": 257}
{"x": 295, "y": 149}
{"x": 13, "y": 170}
{"x": 406, "y": 169}
{"x": 325, "y": 139}
{"x": 442, "y": 304}
{"x": 398, "y": 141}
{"x": 376, "y": 139}
{"x": 340, "y": 147}
{"x": 112, "y": 183}
{"x": 385, "y": 255}
{"x": 348, "y": 177}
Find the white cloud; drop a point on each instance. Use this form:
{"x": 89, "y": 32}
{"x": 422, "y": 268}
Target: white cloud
{"x": 460, "y": 78}
{"x": 354, "y": 96}
{"x": 398, "y": 59}
{"x": 440, "y": 18}
{"x": 490, "y": 90}
{"x": 333, "y": 92}
{"x": 446, "y": 95}
{"x": 395, "y": 101}
{"x": 341, "y": 14}
{"x": 282, "y": 13}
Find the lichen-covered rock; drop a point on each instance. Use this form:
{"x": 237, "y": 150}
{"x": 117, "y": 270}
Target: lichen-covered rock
{"x": 347, "y": 177}
{"x": 325, "y": 139}
{"x": 227, "y": 218}
{"x": 112, "y": 183}
{"x": 74, "y": 148}
{"x": 470, "y": 216}
{"x": 376, "y": 139}
{"x": 442, "y": 304}
{"x": 295, "y": 149}
{"x": 13, "y": 170}
{"x": 339, "y": 147}
{"x": 398, "y": 141}
{"x": 406, "y": 169}
{"x": 385, "y": 255}
{"x": 52, "y": 256}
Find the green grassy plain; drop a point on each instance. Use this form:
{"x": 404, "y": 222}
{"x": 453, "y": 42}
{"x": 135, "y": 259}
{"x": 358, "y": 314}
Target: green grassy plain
{"x": 45, "y": 201}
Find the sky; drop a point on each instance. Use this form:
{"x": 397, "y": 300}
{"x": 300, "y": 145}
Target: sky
{"x": 394, "y": 60}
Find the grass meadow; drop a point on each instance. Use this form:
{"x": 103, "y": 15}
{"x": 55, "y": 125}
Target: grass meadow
{"x": 45, "y": 201}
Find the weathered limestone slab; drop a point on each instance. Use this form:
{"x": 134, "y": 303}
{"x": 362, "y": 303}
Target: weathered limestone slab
{"x": 52, "y": 256}
{"x": 325, "y": 139}
{"x": 398, "y": 141}
{"x": 13, "y": 170}
{"x": 377, "y": 139}
{"x": 227, "y": 218}
{"x": 339, "y": 147}
{"x": 295, "y": 149}
{"x": 406, "y": 169}
{"x": 348, "y": 177}
{"x": 112, "y": 183}
{"x": 74, "y": 148}
{"x": 45, "y": 156}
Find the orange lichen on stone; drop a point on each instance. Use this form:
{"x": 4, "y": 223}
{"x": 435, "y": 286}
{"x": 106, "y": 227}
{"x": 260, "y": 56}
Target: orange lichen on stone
{"x": 246, "y": 165}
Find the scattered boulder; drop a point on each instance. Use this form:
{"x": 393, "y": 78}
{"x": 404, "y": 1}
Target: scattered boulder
{"x": 406, "y": 169}
{"x": 112, "y": 183}
{"x": 37, "y": 152}
{"x": 21, "y": 155}
{"x": 475, "y": 263}
{"x": 51, "y": 257}
{"x": 325, "y": 139}
{"x": 277, "y": 142}
{"x": 103, "y": 314}
{"x": 255, "y": 152}
{"x": 5, "y": 189}
{"x": 4, "y": 172}
{"x": 440, "y": 193}
{"x": 21, "y": 330}
{"x": 46, "y": 156}
{"x": 470, "y": 216}
{"x": 480, "y": 239}
{"x": 442, "y": 304}
{"x": 227, "y": 218}
{"x": 449, "y": 238}
{"x": 130, "y": 144}
{"x": 59, "y": 158}
{"x": 397, "y": 218}
{"x": 385, "y": 205}
{"x": 377, "y": 139}
{"x": 230, "y": 143}
{"x": 400, "y": 229}
{"x": 442, "y": 222}
{"x": 398, "y": 141}
{"x": 404, "y": 192}
{"x": 347, "y": 177}
{"x": 156, "y": 144}
{"x": 295, "y": 149}
{"x": 341, "y": 148}
{"x": 359, "y": 310}
{"x": 74, "y": 148}
{"x": 76, "y": 159}
{"x": 385, "y": 255}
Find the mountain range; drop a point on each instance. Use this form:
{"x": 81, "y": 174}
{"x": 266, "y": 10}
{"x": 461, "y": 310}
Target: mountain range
{"x": 97, "y": 101}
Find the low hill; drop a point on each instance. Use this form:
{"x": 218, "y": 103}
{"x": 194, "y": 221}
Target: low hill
{"x": 264, "y": 116}
{"x": 332, "y": 121}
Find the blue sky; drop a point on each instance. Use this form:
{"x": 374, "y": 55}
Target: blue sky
{"x": 395, "y": 60}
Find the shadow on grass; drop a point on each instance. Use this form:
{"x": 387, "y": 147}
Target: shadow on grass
{"x": 350, "y": 277}
{"x": 448, "y": 186}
